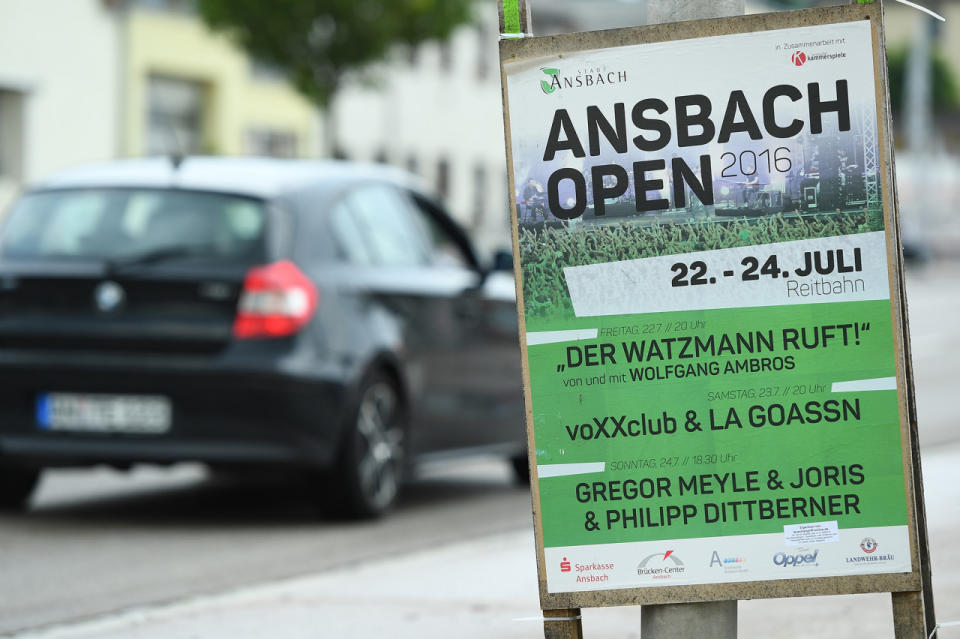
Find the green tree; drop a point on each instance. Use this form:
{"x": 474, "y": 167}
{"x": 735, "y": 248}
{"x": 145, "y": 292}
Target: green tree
{"x": 946, "y": 96}
{"x": 315, "y": 43}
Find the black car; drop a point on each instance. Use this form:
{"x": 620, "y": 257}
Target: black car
{"x": 317, "y": 316}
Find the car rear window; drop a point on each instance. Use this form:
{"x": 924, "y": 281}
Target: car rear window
{"x": 132, "y": 223}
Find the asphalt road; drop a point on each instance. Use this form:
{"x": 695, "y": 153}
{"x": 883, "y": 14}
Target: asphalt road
{"x": 98, "y": 541}
{"x": 933, "y": 297}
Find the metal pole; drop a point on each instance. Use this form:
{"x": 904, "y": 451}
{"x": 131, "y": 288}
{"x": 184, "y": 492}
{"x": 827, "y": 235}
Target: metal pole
{"x": 660, "y": 11}
{"x": 716, "y": 619}
{"x": 918, "y": 87}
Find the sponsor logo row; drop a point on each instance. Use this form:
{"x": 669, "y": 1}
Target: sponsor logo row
{"x": 660, "y": 566}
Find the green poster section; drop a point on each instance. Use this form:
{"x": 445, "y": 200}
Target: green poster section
{"x": 845, "y": 444}
{"x": 511, "y": 16}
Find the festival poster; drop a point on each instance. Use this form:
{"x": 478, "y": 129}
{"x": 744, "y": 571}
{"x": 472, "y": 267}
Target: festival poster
{"x": 706, "y": 291}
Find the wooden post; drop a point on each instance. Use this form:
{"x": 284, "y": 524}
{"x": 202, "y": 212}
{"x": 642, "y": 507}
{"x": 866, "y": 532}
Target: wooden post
{"x": 563, "y": 623}
{"x": 913, "y": 612}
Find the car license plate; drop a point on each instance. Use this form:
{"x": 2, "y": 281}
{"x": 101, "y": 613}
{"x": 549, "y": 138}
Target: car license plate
{"x": 103, "y": 413}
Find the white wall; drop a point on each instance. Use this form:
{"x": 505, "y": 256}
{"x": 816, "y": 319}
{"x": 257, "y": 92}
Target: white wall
{"x": 62, "y": 57}
{"x": 428, "y": 112}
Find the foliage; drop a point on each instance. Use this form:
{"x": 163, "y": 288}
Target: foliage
{"x": 546, "y": 251}
{"x": 316, "y": 42}
{"x": 946, "y": 95}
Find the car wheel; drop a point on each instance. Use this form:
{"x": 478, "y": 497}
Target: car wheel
{"x": 16, "y": 486}
{"x": 373, "y": 458}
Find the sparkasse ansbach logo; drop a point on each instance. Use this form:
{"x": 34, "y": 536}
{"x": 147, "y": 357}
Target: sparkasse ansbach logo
{"x": 564, "y": 565}
{"x": 798, "y": 58}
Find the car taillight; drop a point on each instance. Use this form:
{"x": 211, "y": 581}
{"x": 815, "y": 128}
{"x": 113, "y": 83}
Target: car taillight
{"x": 277, "y": 301}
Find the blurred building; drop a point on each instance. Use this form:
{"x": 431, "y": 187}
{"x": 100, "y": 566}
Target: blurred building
{"x": 900, "y": 20}
{"x": 86, "y": 80}
{"x": 188, "y": 90}
{"x": 59, "y": 88}
{"x": 90, "y": 80}
{"x": 437, "y": 111}
{"x": 922, "y": 123}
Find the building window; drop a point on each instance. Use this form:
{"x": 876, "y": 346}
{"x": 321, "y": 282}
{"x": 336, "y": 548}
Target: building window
{"x": 4, "y": 134}
{"x": 446, "y": 55}
{"x": 413, "y": 165}
{"x": 484, "y": 43}
{"x": 272, "y": 143}
{"x": 178, "y": 6}
{"x": 174, "y": 116}
{"x": 265, "y": 72}
{"x": 443, "y": 178}
{"x": 11, "y": 135}
{"x": 479, "y": 194}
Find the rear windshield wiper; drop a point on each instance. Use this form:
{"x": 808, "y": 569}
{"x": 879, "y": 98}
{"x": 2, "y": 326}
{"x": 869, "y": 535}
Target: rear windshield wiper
{"x": 161, "y": 254}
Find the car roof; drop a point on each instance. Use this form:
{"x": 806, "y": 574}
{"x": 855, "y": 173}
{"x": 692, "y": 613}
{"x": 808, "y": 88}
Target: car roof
{"x": 264, "y": 178}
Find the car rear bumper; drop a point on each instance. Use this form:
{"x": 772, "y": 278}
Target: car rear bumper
{"x": 220, "y": 414}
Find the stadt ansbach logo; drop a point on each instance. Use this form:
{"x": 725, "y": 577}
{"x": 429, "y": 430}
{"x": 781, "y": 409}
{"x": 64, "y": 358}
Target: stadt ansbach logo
{"x": 580, "y": 79}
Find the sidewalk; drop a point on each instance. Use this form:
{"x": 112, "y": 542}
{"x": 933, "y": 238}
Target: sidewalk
{"x": 488, "y": 588}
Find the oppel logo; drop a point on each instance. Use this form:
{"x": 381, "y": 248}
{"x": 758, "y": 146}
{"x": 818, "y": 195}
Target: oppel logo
{"x": 798, "y": 58}
{"x": 800, "y": 559}
{"x": 564, "y": 565}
